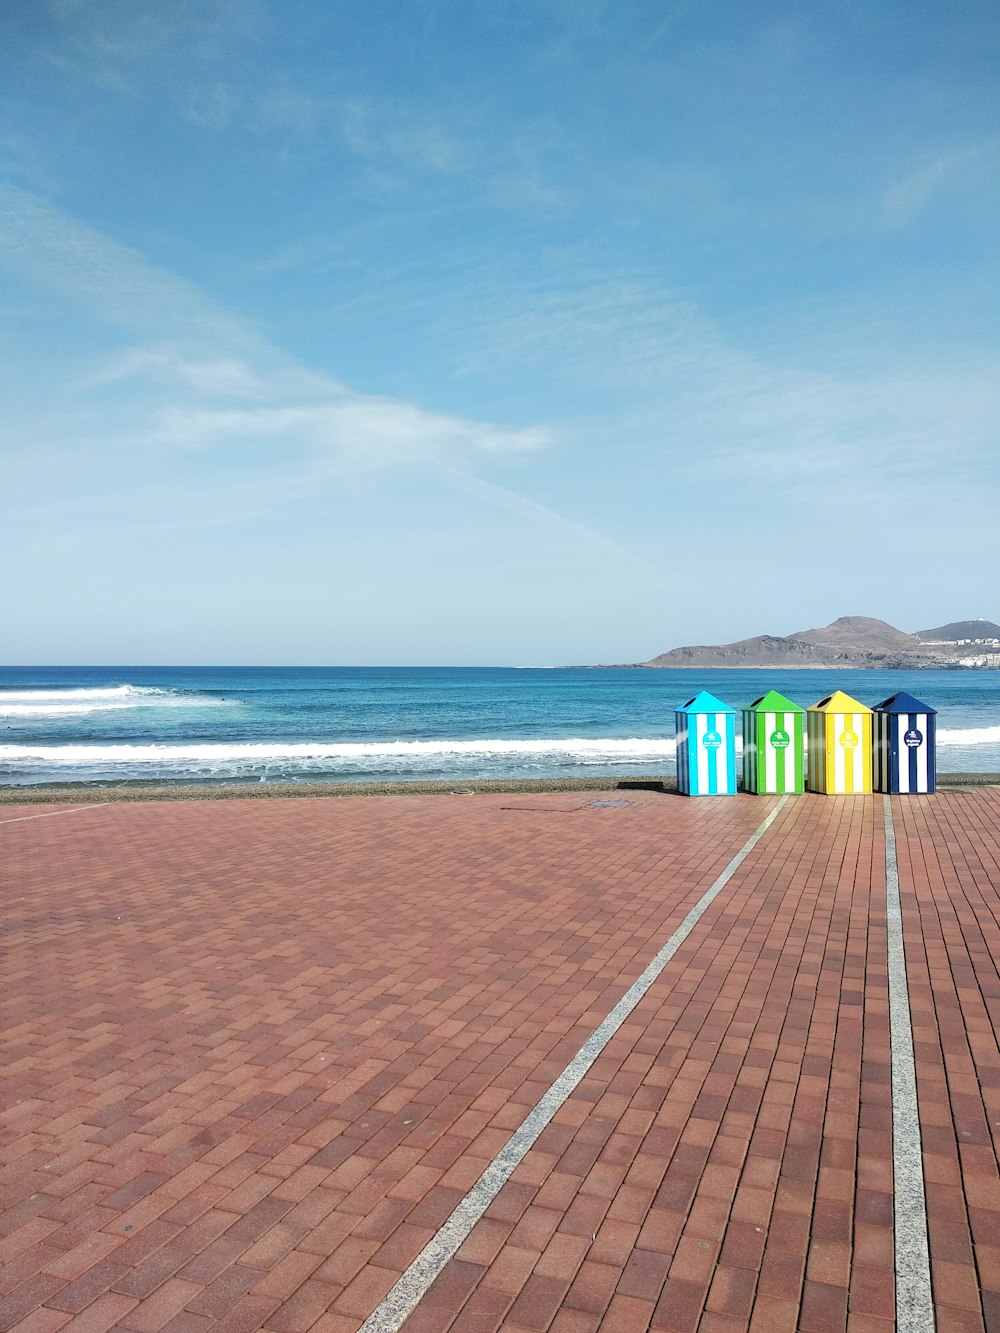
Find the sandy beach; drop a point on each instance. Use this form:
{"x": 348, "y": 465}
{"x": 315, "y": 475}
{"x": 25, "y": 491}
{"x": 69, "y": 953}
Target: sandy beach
{"x": 259, "y": 1053}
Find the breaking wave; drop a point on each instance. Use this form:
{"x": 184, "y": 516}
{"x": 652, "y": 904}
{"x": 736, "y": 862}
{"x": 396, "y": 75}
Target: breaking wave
{"x": 576, "y": 749}
{"x": 970, "y": 736}
{"x": 370, "y": 759}
{"x": 78, "y": 702}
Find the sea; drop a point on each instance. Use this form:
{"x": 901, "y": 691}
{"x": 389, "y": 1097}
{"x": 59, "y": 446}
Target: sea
{"x": 227, "y": 725}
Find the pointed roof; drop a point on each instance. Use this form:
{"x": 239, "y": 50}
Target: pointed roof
{"x": 703, "y": 702}
{"x": 903, "y": 703}
{"x": 773, "y": 702}
{"x": 838, "y": 702}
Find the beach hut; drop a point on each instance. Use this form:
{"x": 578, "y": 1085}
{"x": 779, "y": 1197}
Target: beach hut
{"x": 706, "y": 747}
{"x": 904, "y": 744}
{"x": 840, "y": 746}
{"x": 773, "y": 745}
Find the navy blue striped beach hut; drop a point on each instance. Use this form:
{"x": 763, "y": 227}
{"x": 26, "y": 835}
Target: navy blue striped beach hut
{"x": 903, "y": 744}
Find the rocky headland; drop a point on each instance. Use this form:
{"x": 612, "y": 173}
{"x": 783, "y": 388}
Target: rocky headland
{"x": 850, "y": 642}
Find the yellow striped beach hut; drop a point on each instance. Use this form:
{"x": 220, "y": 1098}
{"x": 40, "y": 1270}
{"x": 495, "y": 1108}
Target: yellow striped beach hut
{"x": 840, "y": 746}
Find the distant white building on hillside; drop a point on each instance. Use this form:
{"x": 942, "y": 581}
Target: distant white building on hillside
{"x": 981, "y": 660}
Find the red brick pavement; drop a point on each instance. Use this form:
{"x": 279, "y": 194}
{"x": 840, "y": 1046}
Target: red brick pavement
{"x": 949, "y": 862}
{"x": 258, "y": 1051}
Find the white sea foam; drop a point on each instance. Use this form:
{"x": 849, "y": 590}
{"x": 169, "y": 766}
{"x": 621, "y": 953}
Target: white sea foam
{"x": 578, "y": 749}
{"x": 79, "y": 702}
{"x": 367, "y": 754}
{"x": 80, "y": 693}
{"x": 58, "y": 710}
{"x": 969, "y": 736}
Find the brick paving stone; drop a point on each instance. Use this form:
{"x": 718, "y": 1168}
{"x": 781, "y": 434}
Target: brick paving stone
{"x": 680, "y": 1305}
{"x": 593, "y": 1287}
{"x": 35, "y": 1259}
{"x": 334, "y": 1323}
{"x": 27, "y": 1297}
{"x": 106, "y": 1312}
{"x": 538, "y": 1301}
{"x": 301, "y": 1310}
{"x": 75, "y": 1296}
{"x": 186, "y": 1322}
{"x": 483, "y": 1312}
{"x": 361, "y": 1295}
{"x": 575, "y": 1321}
{"x": 247, "y": 1315}
{"x": 260, "y": 1050}
{"x": 157, "y": 1310}
{"x": 451, "y": 1292}
{"x": 43, "y": 1321}
{"x": 221, "y": 1295}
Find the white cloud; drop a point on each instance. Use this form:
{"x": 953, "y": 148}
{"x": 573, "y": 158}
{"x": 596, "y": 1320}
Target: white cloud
{"x": 216, "y": 394}
{"x": 524, "y": 508}
{"x": 395, "y": 141}
{"x": 350, "y": 429}
{"x": 850, "y": 431}
{"x": 122, "y": 47}
{"x": 216, "y": 377}
{"x": 109, "y": 280}
{"x": 947, "y": 173}
{"x": 401, "y": 134}
{"x": 211, "y": 105}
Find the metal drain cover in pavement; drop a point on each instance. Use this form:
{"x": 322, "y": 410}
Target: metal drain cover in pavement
{"x": 606, "y": 805}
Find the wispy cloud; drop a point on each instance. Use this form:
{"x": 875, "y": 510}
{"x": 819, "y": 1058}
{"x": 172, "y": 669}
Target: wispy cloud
{"x": 227, "y": 400}
{"x": 861, "y": 431}
{"x": 118, "y": 45}
{"x": 113, "y": 282}
{"x": 513, "y": 502}
{"x": 350, "y": 429}
{"x": 400, "y": 134}
{"x": 300, "y": 127}
{"x": 219, "y": 377}
{"x": 214, "y": 385}
{"x": 947, "y": 173}
{"x": 200, "y": 62}
{"x": 394, "y": 141}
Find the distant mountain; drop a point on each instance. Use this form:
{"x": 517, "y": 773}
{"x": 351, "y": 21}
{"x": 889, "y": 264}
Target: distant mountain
{"x": 850, "y": 642}
{"x": 972, "y": 630}
{"x": 764, "y": 650}
{"x": 854, "y": 634}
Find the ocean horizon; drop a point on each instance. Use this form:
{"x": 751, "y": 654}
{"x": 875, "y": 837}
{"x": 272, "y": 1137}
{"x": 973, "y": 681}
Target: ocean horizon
{"x": 228, "y": 724}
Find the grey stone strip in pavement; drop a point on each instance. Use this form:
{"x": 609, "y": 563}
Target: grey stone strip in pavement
{"x": 51, "y": 814}
{"x": 914, "y": 1301}
{"x": 404, "y": 1297}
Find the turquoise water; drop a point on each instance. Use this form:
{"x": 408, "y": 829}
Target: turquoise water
{"x": 225, "y": 724}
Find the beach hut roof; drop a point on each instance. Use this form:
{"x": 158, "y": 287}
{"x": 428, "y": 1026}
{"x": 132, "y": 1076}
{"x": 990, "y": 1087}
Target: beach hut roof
{"x": 903, "y": 703}
{"x": 703, "y": 702}
{"x": 773, "y": 702}
{"x": 838, "y": 702}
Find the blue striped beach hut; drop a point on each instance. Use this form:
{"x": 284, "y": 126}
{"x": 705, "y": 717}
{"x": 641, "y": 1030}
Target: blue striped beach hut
{"x": 903, "y": 745}
{"x": 706, "y": 747}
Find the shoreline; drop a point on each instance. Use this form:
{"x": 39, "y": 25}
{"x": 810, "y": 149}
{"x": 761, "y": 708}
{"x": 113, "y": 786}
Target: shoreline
{"x": 60, "y": 793}
{"x": 782, "y": 666}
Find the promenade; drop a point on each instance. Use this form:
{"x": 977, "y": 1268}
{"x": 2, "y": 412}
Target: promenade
{"x": 259, "y": 1052}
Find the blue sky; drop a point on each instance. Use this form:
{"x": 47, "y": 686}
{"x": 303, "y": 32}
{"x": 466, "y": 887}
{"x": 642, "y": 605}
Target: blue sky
{"x": 482, "y": 331}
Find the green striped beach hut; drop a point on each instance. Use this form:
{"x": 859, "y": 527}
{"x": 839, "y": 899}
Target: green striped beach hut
{"x": 773, "y": 745}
